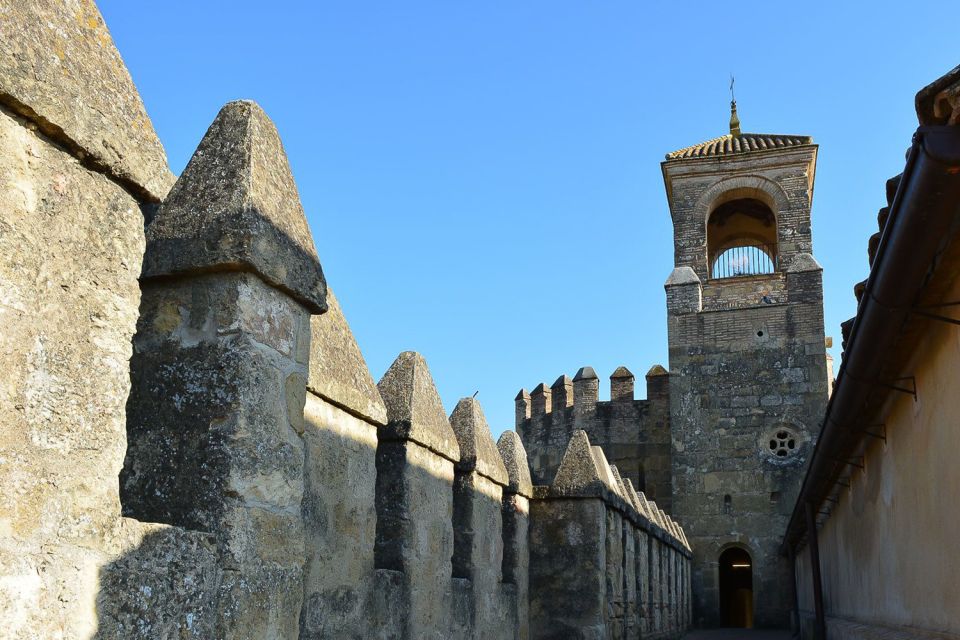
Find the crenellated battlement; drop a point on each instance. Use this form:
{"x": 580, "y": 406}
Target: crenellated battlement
{"x": 633, "y": 432}
{"x": 268, "y": 486}
{"x": 581, "y": 393}
{"x": 623, "y": 560}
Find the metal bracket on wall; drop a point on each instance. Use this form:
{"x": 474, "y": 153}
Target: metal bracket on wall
{"x": 878, "y": 431}
{"x": 922, "y": 311}
{"x": 853, "y": 462}
{"x": 911, "y": 390}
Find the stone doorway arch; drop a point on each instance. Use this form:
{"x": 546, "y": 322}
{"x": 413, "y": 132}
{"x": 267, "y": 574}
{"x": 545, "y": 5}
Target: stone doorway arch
{"x": 736, "y": 588}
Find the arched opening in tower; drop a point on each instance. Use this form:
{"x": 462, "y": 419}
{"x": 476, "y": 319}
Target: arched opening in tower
{"x": 741, "y": 239}
{"x": 736, "y": 588}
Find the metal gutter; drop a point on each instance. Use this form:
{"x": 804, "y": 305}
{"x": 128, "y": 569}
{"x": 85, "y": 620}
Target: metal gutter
{"x": 925, "y": 207}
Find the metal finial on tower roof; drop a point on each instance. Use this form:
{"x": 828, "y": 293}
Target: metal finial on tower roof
{"x": 734, "y": 119}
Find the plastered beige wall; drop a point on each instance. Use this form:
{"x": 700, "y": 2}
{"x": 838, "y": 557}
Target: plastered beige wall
{"x": 889, "y": 550}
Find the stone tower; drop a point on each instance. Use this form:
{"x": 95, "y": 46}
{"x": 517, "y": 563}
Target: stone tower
{"x": 748, "y": 371}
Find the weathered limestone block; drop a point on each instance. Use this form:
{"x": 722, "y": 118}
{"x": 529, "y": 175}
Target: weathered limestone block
{"x": 579, "y": 473}
{"x": 215, "y": 417}
{"x": 684, "y": 291}
{"x": 656, "y": 587}
{"x": 343, "y": 411}
{"x": 236, "y": 207}
{"x": 338, "y": 372}
{"x": 70, "y": 247}
{"x": 643, "y": 542}
{"x": 339, "y": 520}
{"x": 479, "y": 479}
{"x": 621, "y": 385}
{"x": 586, "y": 393}
{"x": 414, "y": 409}
{"x": 670, "y": 589}
{"x": 614, "y": 573}
{"x": 631, "y": 620}
{"x": 522, "y": 406}
{"x": 164, "y": 584}
{"x": 416, "y": 453}
{"x": 213, "y": 436}
{"x": 516, "y": 526}
{"x": 567, "y": 569}
{"x": 61, "y": 70}
{"x": 570, "y": 540}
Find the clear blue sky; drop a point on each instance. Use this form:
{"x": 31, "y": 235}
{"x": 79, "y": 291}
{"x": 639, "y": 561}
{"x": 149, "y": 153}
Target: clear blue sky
{"x": 483, "y": 178}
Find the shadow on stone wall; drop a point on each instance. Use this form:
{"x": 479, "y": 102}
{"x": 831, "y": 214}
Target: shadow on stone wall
{"x": 164, "y": 585}
{"x": 168, "y": 582}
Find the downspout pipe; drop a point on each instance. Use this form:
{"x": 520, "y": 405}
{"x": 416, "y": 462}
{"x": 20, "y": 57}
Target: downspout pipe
{"x": 925, "y": 207}
{"x": 820, "y": 628}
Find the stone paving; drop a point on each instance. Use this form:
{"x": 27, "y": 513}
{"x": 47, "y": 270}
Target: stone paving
{"x": 737, "y": 634}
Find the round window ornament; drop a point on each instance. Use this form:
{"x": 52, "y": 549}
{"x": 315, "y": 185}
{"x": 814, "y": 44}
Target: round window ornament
{"x": 782, "y": 443}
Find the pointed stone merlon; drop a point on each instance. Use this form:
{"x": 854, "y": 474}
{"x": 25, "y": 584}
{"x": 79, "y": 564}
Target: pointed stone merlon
{"x": 515, "y": 461}
{"x": 684, "y": 291}
{"x": 338, "y": 372}
{"x": 634, "y": 498}
{"x": 621, "y": 385}
{"x": 236, "y": 208}
{"x": 479, "y": 479}
{"x": 645, "y": 506}
{"x": 673, "y": 527}
{"x": 516, "y": 516}
{"x": 216, "y": 416}
{"x": 416, "y": 453}
{"x": 664, "y": 520}
{"x": 561, "y": 393}
{"x": 478, "y": 452}
{"x": 540, "y": 399}
{"x": 569, "y": 537}
{"x": 522, "y": 403}
{"x": 620, "y": 485}
{"x": 414, "y": 409}
{"x": 655, "y": 514}
{"x": 606, "y": 471}
{"x": 658, "y": 382}
{"x": 584, "y": 471}
{"x": 578, "y": 474}
{"x": 61, "y": 72}
{"x": 803, "y": 262}
{"x": 683, "y": 538}
{"x": 586, "y": 394}
{"x": 804, "y": 275}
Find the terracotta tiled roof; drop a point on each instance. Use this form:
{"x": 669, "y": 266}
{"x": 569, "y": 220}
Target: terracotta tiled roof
{"x": 743, "y": 143}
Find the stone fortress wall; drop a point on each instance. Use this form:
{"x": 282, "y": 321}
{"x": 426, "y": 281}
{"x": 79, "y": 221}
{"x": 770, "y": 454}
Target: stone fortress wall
{"x": 634, "y": 434}
{"x": 191, "y": 443}
{"x": 604, "y": 561}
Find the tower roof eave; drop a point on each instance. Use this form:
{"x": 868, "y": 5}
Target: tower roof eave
{"x": 729, "y": 144}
